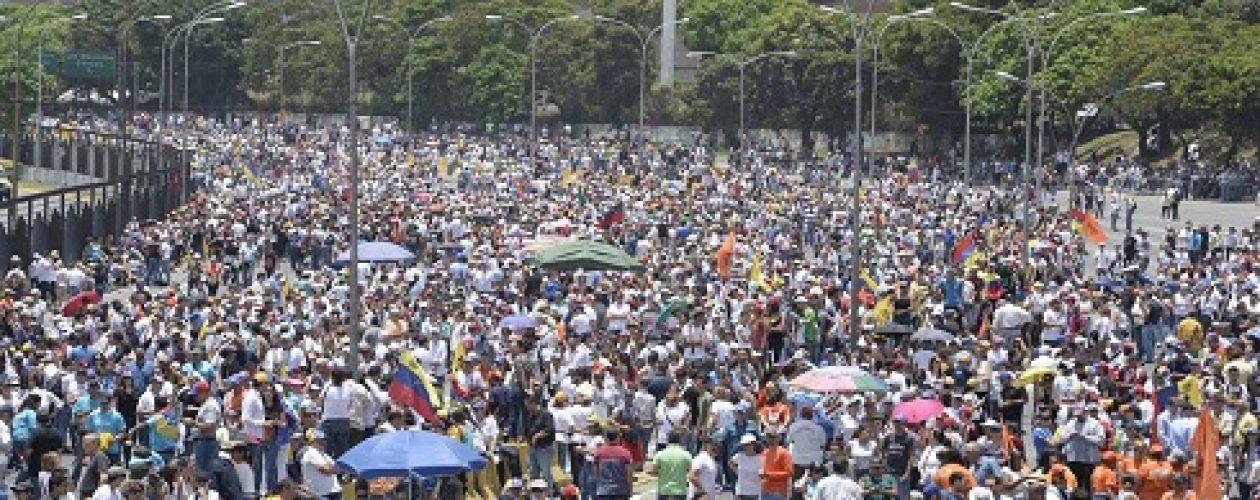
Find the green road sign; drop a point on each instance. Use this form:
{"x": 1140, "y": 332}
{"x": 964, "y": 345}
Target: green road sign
{"x": 81, "y": 65}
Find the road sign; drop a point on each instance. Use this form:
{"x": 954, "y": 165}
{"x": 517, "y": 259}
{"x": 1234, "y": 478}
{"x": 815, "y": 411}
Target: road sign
{"x": 81, "y": 65}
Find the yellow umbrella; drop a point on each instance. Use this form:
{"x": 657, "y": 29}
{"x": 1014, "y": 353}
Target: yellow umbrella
{"x": 1032, "y": 374}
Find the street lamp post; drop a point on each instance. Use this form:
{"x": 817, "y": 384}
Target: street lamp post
{"x": 1089, "y": 111}
{"x": 188, "y": 36}
{"x": 39, "y": 89}
{"x": 534, "y": 36}
{"x": 280, "y": 64}
{"x": 879, "y": 37}
{"x": 860, "y": 30}
{"x": 167, "y": 83}
{"x": 742, "y": 66}
{"x": 643, "y": 49}
{"x": 411, "y": 41}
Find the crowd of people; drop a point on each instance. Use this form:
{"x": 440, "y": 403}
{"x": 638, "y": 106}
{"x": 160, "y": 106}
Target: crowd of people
{"x": 210, "y": 355}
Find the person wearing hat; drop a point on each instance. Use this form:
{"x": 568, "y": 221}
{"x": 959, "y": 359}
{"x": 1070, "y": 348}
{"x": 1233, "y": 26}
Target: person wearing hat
{"x": 318, "y": 468}
{"x": 538, "y": 489}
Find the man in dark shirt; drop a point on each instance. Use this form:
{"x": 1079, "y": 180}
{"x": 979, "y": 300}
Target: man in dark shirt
{"x": 44, "y": 439}
{"x": 898, "y": 448}
{"x": 614, "y": 476}
{"x": 541, "y": 430}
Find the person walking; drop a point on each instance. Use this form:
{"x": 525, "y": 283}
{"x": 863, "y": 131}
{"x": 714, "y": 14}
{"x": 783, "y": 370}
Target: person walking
{"x": 541, "y": 429}
{"x": 672, "y": 466}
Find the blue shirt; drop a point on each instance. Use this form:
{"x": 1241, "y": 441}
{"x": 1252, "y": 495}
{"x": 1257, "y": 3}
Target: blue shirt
{"x": 102, "y": 421}
{"x": 23, "y": 423}
{"x": 163, "y": 434}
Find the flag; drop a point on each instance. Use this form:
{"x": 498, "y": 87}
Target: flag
{"x": 1205, "y": 442}
{"x": 1088, "y": 226}
{"x": 458, "y": 354}
{"x": 614, "y": 215}
{"x": 866, "y": 289}
{"x": 756, "y": 277}
{"x": 973, "y": 261}
{"x": 963, "y": 249}
{"x": 883, "y": 311}
{"x": 724, "y": 255}
{"x": 669, "y": 310}
{"x": 412, "y": 387}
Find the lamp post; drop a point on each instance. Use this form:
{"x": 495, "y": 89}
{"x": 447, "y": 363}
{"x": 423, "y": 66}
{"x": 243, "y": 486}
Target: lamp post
{"x": 1089, "y": 111}
{"x": 351, "y": 34}
{"x": 742, "y": 65}
{"x": 1034, "y": 38}
{"x": 39, "y": 88}
{"x": 411, "y": 41}
{"x": 534, "y": 35}
{"x": 167, "y": 85}
{"x": 643, "y": 50}
{"x": 879, "y": 37}
{"x": 280, "y": 63}
{"x": 860, "y": 30}
{"x": 188, "y": 35}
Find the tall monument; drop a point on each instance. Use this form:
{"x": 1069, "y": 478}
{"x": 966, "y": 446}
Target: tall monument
{"x": 669, "y": 37}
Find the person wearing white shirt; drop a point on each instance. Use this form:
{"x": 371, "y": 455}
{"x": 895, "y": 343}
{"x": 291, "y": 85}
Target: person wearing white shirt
{"x": 335, "y": 416}
{"x": 806, "y": 440}
{"x": 112, "y": 488}
{"x": 838, "y": 485}
{"x": 747, "y": 465}
{"x": 704, "y": 472}
{"x": 318, "y": 468}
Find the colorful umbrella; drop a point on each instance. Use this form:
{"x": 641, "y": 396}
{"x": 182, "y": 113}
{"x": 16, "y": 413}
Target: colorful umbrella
{"x": 919, "y": 410}
{"x": 839, "y": 379}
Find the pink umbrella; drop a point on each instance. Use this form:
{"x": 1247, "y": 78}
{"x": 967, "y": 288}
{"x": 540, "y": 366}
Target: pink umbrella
{"x": 839, "y": 379}
{"x": 919, "y": 410}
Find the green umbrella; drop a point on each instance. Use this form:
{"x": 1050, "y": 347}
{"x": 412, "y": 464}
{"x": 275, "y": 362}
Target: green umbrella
{"x": 586, "y": 255}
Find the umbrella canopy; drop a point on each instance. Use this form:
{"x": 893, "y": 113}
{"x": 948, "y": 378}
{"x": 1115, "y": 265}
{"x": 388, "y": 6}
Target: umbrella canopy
{"x": 586, "y": 255}
{"x": 408, "y": 453}
{"x": 377, "y": 252}
{"x": 518, "y": 322}
{"x": 932, "y": 335}
{"x": 919, "y": 410}
{"x": 839, "y": 379}
{"x": 893, "y": 329}
{"x": 1032, "y": 374}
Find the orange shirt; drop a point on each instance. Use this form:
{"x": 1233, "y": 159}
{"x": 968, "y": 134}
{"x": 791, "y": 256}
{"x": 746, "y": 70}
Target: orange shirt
{"x": 775, "y": 415}
{"x": 1188, "y": 495}
{"x": 776, "y": 464}
{"x": 942, "y": 475}
{"x": 1069, "y": 478}
{"x": 1105, "y": 480}
{"x": 1131, "y": 465}
{"x": 1154, "y": 478}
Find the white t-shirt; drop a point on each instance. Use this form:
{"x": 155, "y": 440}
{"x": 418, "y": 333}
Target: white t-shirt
{"x": 747, "y": 474}
{"x": 321, "y": 484}
{"x": 706, "y": 472}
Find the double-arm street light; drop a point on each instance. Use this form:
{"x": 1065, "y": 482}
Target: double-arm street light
{"x": 167, "y": 86}
{"x": 860, "y": 29}
{"x": 644, "y": 41}
{"x": 412, "y": 36}
{"x": 743, "y": 65}
{"x": 1035, "y": 31}
{"x": 534, "y": 36}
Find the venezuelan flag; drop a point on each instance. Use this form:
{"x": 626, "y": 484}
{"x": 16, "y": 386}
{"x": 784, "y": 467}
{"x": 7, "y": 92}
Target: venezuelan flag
{"x": 1088, "y": 226}
{"x": 963, "y": 249}
{"x": 412, "y": 387}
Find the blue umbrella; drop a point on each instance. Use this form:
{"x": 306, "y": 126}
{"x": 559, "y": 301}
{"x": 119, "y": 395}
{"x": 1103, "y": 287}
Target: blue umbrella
{"x": 518, "y": 322}
{"x": 378, "y": 251}
{"x": 408, "y": 453}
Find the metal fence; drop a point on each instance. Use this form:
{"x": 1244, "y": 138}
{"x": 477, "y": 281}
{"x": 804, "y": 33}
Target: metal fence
{"x": 133, "y": 180}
